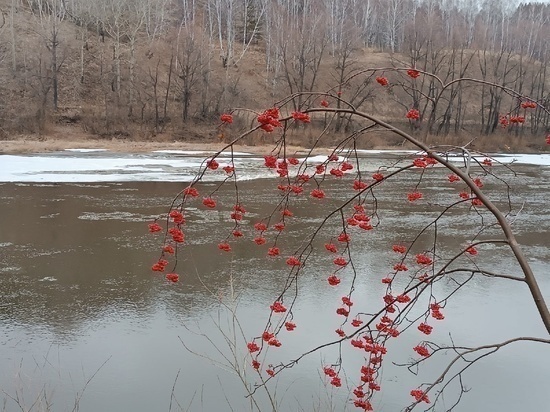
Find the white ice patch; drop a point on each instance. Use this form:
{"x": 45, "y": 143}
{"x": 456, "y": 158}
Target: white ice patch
{"x": 530, "y": 159}
{"x": 10, "y": 269}
{"x": 125, "y": 216}
{"x": 48, "y": 279}
{"x": 200, "y": 152}
{"x": 51, "y": 216}
{"x": 376, "y": 151}
{"x": 542, "y": 159}
{"x": 363, "y": 153}
{"x": 316, "y": 159}
{"x": 94, "y": 168}
{"x": 82, "y": 168}
{"x": 184, "y": 152}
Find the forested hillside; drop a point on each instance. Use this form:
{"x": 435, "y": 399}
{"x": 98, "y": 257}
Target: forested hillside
{"x": 150, "y": 68}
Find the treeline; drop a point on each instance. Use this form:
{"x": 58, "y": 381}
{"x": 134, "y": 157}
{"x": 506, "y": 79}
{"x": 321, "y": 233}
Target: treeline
{"x": 127, "y": 67}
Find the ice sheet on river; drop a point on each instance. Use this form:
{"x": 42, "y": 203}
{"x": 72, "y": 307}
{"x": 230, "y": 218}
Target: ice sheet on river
{"x": 98, "y": 167}
{"x": 103, "y": 166}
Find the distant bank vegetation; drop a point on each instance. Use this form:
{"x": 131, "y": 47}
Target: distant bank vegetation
{"x": 147, "y": 68}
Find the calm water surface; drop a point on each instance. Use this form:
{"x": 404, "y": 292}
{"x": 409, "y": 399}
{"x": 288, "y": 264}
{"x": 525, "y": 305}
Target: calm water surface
{"x": 81, "y": 314}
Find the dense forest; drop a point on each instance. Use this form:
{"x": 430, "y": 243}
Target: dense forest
{"x": 141, "y": 68}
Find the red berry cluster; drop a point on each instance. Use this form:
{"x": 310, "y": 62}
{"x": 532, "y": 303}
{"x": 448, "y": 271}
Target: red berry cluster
{"x": 413, "y": 73}
{"x": 269, "y": 119}
{"x": 383, "y": 81}
{"x": 413, "y": 114}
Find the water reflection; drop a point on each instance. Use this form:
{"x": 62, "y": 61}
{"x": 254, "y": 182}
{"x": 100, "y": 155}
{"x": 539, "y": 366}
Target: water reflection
{"x": 74, "y": 273}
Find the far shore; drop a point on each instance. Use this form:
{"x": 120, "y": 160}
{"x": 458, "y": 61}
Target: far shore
{"x": 71, "y": 138}
{"x": 27, "y": 146}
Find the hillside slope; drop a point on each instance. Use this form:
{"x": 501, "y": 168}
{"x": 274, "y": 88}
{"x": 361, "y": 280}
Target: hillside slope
{"x": 84, "y": 74}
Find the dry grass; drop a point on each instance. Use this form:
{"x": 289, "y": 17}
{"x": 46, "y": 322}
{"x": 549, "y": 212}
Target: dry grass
{"x": 207, "y": 139}
{"x": 71, "y": 139}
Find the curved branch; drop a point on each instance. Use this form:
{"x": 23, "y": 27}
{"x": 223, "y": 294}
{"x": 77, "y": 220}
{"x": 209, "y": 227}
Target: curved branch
{"x": 530, "y": 279}
{"x": 463, "y": 351}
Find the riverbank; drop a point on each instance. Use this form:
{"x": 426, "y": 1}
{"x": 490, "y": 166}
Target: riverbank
{"x": 67, "y": 137}
{"x": 27, "y": 145}
{"x": 24, "y": 146}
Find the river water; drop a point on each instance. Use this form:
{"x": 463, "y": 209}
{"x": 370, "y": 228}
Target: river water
{"x": 85, "y": 325}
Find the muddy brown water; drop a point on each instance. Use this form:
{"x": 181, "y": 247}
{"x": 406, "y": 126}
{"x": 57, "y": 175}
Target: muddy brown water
{"x": 79, "y": 303}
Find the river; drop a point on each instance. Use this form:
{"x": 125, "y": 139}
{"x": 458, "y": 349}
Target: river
{"x": 85, "y": 325}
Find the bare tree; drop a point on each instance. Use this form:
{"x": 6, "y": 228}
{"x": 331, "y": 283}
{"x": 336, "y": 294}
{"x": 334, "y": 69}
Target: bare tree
{"x": 302, "y": 50}
{"x": 48, "y": 15}
{"x": 193, "y": 62}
